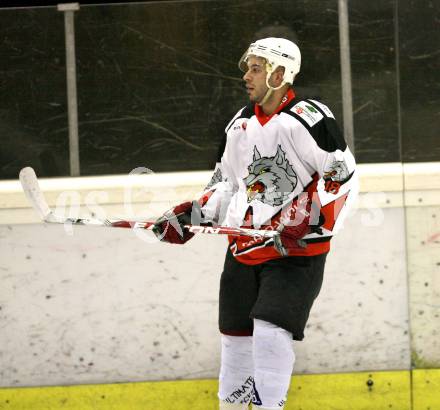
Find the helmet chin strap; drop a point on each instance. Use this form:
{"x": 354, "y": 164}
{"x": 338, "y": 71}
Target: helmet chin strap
{"x": 270, "y": 89}
{"x": 266, "y": 97}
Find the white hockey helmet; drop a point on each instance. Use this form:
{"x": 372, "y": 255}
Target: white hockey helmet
{"x": 278, "y": 52}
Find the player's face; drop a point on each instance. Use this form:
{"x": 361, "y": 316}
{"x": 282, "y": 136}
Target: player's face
{"x": 255, "y": 78}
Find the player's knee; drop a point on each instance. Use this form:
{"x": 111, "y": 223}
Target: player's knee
{"x": 273, "y": 362}
{"x": 237, "y": 352}
{"x": 273, "y": 347}
{"x": 236, "y": 371}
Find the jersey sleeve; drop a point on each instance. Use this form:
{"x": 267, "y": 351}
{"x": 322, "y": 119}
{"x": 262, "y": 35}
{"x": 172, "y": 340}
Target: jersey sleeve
{"x": 222, "y": 186}
{"x": 320, "y": 145}
{"x": 217, "y": 194}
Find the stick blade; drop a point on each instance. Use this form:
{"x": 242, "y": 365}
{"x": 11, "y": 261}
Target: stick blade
{"x": 29, "y": 183}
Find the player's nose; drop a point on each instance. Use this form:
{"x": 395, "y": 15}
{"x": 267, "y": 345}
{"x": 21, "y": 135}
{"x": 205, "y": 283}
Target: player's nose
{"x": 246, "y": 76}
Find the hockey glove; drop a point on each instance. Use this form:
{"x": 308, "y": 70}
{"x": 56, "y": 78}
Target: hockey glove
{"x": 299, "y": 220}
{"x": 170, "y": 226}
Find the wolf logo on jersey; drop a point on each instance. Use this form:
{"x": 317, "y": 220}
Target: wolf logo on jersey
{"x": 216, "y": 178}
{"x": 338, "y": 172}
{"x": 270, "y": 179}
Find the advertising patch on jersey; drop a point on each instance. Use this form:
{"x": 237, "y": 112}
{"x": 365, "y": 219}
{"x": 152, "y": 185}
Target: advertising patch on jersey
{"x": 271, "y": 179}
{"x": 324, "y": 108}
{"x": 240, "y": 126}
{"x": 307, "y": 112}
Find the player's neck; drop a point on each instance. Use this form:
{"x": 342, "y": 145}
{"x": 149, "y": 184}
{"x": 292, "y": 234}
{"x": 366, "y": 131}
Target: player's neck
{"x": 274, "y": 101}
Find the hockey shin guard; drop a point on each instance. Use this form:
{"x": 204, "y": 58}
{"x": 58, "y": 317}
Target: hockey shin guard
{"x": 235, "y": 380}
{"x": 273, "y": 365}
{"x": 233, "y": 406}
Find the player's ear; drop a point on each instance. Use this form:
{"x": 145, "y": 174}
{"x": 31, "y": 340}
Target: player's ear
{"x": 277, "y": 76}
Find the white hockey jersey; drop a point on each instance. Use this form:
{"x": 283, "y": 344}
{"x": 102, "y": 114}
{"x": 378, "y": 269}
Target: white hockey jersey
{"x": 268, "y": 163}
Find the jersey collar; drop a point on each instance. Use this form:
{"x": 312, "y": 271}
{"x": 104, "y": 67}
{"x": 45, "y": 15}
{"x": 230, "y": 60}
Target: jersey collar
{"x": 263, "y": 118}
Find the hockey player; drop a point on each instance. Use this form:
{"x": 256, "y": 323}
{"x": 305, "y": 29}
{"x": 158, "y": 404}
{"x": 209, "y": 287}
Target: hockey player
{"x": 285, "y": 167}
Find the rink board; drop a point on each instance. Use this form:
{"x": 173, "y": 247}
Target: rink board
{"x": 356, "y": 391}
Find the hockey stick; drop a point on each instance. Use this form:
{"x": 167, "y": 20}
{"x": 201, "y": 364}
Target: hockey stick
{"x": 31, "y": 188}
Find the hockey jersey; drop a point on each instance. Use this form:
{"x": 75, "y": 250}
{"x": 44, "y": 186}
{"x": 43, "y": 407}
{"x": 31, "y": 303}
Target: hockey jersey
{"x": 268, "y": 163}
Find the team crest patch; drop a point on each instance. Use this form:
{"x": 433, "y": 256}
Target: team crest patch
{"x": 335, "y": 176}
{"x": 338, "y": 171}
{"x": 271, "y": 179}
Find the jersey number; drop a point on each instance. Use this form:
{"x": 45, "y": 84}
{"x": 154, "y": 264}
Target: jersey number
{"x": 332, "y": 187}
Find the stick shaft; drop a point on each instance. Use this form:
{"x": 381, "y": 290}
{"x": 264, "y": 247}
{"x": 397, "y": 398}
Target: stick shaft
{"x": 122, "y": 223}
{"x": 33, "y": 192}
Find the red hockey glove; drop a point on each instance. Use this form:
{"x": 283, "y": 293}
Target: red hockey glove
{"x": 296, "y": 222}
{"x": 170, "y": 226}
